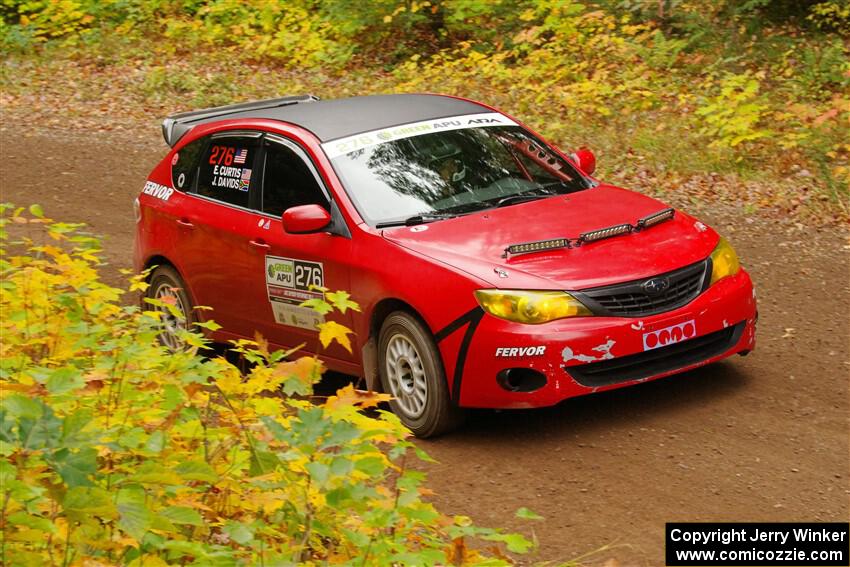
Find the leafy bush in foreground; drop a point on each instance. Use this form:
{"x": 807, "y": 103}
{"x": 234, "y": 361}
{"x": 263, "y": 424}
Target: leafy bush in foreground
{"x": 116, "y": 451}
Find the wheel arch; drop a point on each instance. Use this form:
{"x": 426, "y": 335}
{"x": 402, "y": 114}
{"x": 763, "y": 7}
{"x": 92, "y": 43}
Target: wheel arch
{"x": 377, "y": 316}
{"x": 444, "y": 414}
{"x": 159, "y": 260}
{"x": 386, "y": 306}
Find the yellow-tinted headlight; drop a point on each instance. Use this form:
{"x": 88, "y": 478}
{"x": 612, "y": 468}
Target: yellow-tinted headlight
{"x": 531, "y": 307}
{"x": 724, "y": 261}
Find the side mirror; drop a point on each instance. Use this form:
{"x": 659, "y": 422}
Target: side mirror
{"x": 585, "y": 159}
{"x": 305, "y": 219}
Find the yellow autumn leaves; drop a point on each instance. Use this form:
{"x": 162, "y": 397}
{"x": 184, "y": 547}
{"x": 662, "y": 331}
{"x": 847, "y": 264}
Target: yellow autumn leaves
{"x": 115, "y": 451}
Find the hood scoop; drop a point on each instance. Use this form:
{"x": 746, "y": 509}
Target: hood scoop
{"x": 590, "y": 236}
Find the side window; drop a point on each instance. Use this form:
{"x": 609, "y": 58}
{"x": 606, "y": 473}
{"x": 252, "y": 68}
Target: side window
{"x": 184, "y": 165}
{"x": 288, "y": 181}
{"x": 225, "y": 173}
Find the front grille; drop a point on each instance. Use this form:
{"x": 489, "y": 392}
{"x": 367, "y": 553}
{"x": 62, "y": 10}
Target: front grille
{"x": 656, "y": 361}
{"x": 631, "y": 299}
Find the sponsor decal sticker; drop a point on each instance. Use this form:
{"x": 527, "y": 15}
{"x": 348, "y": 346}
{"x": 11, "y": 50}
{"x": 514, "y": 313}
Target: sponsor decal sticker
{"x": 231, "y": 177}
{"x": 670, "y": 335}
{"x": 604, "y": 349}
{"x": 175, "y": 158}
{"x": 157, "y": 190}
{"x": 517, "y": 352}
{"x": 296, "y": 316}
{"x": 289, "y": 282}
{"x": 221, "y": 155}
{"x": 225, "y": 175}
{"x": 342, "y": 146}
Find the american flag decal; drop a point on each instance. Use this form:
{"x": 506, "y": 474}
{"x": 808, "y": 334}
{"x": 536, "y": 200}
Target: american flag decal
{"x": 240, "y": 156}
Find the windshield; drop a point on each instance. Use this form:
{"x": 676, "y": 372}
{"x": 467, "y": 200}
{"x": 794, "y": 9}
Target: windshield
{"x": 448, "y": 172}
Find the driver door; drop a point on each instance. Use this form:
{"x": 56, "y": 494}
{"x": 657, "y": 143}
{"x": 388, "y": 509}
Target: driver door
{"x": 292, "y": 267}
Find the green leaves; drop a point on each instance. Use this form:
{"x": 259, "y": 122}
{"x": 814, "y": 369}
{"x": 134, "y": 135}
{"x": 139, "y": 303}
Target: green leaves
{"x": 342, "y": 301}
{"x": 85, "y": 502}
{"x": 63, "y": 380}
{"x": 209, "y": 325}
{"x": 372, "y": 466}
{"x": 151, "y": 474}
{"x": 135, "y": 516}
{"x": 17, "y": 405}
{"x": 8, "y": 472}
{"x": 73, "y": 426}
{"x": 527, "y": 514}
{"x": 182, "y": 515}
{"x": 36, "y": 211}
{"x": 156, "y": 442}
{"x": 238, "y": 532}
{"x": 139, "y": 456}
{"x": 319, "y": 472}
{"x": 196, "y": 470}
{"x": 734, "y": 116}
{"x": 515, "y": 543}
{"x": 263, "y": 462}
{"x": 33, "y": 522}
{"x": 76, "y": 467}
{"x": 318, "y": 305}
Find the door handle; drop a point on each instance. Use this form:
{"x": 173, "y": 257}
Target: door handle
{"x": 185, "y": 222}
{"x": 259, "y": 244}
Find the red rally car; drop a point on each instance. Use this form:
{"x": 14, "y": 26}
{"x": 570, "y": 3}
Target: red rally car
{"x": 492, "y": 270}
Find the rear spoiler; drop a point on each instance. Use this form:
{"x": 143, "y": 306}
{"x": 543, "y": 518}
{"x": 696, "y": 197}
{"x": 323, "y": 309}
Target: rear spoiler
{"x": 175, "y": 126}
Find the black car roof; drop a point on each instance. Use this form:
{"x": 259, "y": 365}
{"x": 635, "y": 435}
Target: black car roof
{"x": 329, "y": 119}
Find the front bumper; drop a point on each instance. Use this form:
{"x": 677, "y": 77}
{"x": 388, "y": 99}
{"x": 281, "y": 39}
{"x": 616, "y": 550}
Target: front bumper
{"x": 573, "y": 357}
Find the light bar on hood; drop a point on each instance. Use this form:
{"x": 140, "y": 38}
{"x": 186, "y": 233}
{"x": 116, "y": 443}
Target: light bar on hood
{"x": 654, "y": 218}
{"x": 602, "y": 233}
{"x": 592, "y": 236}
{"x": 537, "y": 246}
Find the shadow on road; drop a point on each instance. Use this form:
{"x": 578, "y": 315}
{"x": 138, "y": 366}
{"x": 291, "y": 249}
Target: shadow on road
{"x": 607, "y": 410}
{"x": 584, "y": 414}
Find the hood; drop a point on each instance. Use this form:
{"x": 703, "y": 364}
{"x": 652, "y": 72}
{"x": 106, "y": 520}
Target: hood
{"x": 475, "y": 243}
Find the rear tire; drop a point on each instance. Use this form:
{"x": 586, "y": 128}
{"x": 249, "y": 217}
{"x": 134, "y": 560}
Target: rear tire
{"x": 412, "y": 372}
{"x": 167, "y": 285}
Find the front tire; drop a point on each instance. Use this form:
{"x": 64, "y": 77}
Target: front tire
{"x": 167, "y": 286}
{"x": 412, "y": 372}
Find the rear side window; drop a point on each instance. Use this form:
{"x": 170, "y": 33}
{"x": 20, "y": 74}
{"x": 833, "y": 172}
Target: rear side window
{"x": 184, "y": 165}
{"x": 226, "y": 171}
{"x": 288, "y": 181}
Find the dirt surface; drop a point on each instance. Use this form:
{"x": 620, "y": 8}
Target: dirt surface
{"x": 761, "y": 438}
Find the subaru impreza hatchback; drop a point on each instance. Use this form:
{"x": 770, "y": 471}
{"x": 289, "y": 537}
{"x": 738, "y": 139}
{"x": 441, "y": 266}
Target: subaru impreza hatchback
{"x": 492, "y": 270}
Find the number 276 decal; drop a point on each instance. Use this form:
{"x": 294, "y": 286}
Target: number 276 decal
{"x": 294, "y": 274}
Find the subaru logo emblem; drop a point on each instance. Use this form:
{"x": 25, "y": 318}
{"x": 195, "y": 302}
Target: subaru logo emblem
{"x": 655, "y": 286}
